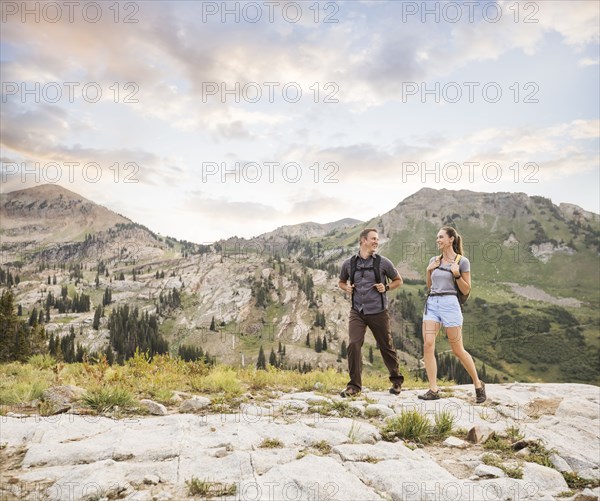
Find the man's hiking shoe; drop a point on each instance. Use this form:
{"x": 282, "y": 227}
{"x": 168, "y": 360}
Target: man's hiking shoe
{"x": 396, "y": 389}
{"x": 480, "y": 396}
{"x": 430, "y": 395}
{"x": 349, "y": 392}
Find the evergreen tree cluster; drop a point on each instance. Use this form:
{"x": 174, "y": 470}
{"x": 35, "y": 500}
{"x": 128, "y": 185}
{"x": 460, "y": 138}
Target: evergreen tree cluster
{"x": 7, "y": 278}
{"x": 130, "y": 331}
{"x": 18, "y": 339}
{"x": 320, "y": 319}
{"x": 261, "y": 289}
{"x": 78, "y": 304}
{"x": 170, "y": 300}
{"x": 64, "y": 349}
{"x": 306, "y": 284}
{"x": 275, "y": 359}
{"x": 450, "y": 368}
{"x": 321, "y": 343}
{"x": 195, "y": 353}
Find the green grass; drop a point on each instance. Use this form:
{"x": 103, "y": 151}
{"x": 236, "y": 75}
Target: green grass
{"x": 574, "y": 481}
{"x": 208, "y": 489}
{"x": 512, "y": 471}
{"x": 322, "y": 446}
{"x": 103, "y": 400}
{"x": 271, "y": 443}
{"x": 339, "y": 408}
{"x": 416, "y": 427}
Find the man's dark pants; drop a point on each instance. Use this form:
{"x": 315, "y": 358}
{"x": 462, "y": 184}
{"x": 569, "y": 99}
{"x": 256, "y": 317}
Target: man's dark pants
{"x": 379, "y": 323}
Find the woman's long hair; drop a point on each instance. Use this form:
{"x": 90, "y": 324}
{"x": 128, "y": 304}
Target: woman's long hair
{"x": 457, "y": 243}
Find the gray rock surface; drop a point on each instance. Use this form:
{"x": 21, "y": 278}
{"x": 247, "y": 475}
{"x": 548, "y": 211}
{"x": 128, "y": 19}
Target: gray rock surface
{"x": 310, "y": 456}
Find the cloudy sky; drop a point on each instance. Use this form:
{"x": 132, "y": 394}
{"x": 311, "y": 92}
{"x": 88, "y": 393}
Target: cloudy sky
{"x": 204, "y": 120}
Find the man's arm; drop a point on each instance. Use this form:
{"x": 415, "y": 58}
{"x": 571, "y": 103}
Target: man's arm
{"x": 394, "y": 284}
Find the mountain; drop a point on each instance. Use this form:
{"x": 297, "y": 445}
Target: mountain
{"x": 310, "y": 230}
{"x": 51, "y": 213}
{"x": 532, "y": 316}
{"x": 51, "y": 223}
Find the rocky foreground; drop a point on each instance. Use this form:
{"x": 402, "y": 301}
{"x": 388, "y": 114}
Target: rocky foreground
{"x": 288, "y": 448}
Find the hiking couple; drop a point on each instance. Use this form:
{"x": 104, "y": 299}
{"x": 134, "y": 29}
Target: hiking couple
{"x": 367, "y": 277}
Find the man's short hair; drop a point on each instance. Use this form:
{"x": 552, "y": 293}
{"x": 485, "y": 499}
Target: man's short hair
{"x": 365, "y": 233}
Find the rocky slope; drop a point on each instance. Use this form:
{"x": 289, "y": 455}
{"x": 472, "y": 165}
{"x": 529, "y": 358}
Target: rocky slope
{"x": 287, "y": 447}
{"x": 270, "y": 289}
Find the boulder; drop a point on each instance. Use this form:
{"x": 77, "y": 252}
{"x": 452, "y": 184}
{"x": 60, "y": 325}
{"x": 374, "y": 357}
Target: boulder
{"x": 62, "y": 398}
{"x": 194, "y": 404}
{"x": 546, "y": 479}
{"x": 154, "y": 408}
{"x": 479, "y": 434}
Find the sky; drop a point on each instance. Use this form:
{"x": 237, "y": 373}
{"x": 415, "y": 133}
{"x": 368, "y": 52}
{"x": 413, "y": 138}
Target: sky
{"x": 205, "y": 120}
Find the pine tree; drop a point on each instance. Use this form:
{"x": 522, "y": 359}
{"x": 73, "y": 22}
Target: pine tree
{"x": 52, "y": 345}
{"x": 8, "y": 325}
{"x": 107, "y": 298}
{"x": 344, "y": 350}
{"x": 324, "y": 342}
{"x": 97, "y": 315}
{"x": 308, "y": 340}
{"x": 273, "y": 358}
{"x": 110, "y": 356}
{"x": 212, "y": 324}
{"x": 261, "y": 363}
{"x": 318, "y": 345}
{"x": 33, "y": 317}
{"x": 371, "y": 354}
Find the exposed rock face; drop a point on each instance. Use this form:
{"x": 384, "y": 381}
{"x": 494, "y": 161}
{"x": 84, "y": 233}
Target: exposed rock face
{"x": 316, "y": 457}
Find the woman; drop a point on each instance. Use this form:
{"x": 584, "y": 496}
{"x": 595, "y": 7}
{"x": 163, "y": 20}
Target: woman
{"x": 444, "y": 274}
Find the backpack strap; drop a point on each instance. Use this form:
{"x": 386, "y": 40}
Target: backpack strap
{"x": 376, "y": 271}
{"x": 353, "y": 268}
{"x": 376, "y": 268}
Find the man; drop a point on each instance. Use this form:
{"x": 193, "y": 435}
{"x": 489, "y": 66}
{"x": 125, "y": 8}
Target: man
{"x": 369, "y": 309}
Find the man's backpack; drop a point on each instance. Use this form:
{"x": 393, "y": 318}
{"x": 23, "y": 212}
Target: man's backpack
{"x": 462, "y": 298}
{"x": 376, "y": 270}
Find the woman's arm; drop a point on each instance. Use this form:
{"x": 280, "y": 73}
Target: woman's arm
{"x": 464, "y": 282}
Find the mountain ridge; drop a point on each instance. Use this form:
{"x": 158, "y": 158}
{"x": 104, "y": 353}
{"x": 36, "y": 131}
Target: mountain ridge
{"x": 281, "y": 287}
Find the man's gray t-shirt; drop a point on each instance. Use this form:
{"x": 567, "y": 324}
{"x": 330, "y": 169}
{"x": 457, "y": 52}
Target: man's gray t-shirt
{"x": 443, "y": 281}
{"x": 367, "y": 299}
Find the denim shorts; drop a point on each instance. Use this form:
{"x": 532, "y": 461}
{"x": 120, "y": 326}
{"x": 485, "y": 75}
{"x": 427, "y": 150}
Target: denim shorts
{"x": 443, "y": 309}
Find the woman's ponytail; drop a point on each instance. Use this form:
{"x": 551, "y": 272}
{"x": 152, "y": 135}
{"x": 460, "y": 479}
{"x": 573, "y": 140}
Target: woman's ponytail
{"x": 457, "y": 245}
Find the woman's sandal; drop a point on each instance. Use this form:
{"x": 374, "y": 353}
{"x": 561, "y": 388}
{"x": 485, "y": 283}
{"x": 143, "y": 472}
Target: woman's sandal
{"x": 430, "y": 395}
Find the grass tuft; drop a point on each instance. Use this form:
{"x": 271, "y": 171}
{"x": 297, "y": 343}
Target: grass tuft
{"x": 271, "y": 443}
{"x": 105, "y": 399}
{"x": 208, "y": 489}
{"x": 409, "y": 425}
